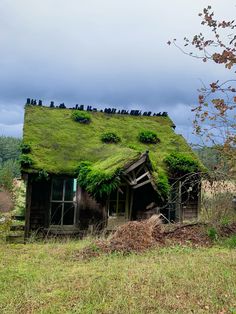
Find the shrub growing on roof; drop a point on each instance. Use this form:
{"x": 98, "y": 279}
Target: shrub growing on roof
{"x": 180, "y": 164}
{"x": 25, "y": 148}
{"x": 81, "y": 116}
{"x": 110, "y": 137}
{"x": 148, "y": 137}
{"x": 25, "y": 161}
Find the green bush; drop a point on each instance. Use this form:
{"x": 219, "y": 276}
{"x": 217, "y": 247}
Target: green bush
{"x": 148, "y": 137}
{"x": 212, "y": 233}
{"x": 42, "y": 175}
{"x": 25, "y": 148}
{"x": 179, "y": 164}
{"x": 97, "y": 182}
{"x": 81, "y": 116}
{"x": 110, "y": 137}
{"x": 25, "y": 161}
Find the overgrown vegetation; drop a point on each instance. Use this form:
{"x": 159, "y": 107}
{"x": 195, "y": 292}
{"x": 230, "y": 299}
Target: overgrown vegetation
{"x": 148, "y": 137}
{"x": 9, "y": 164}
{"x": 162, "y": 183}
{"x": 110, "y": 137}
{"x": 97, "y": 182}
{"x": 60, "y": 151}
{"x": 25, "y": 148}
{"x": 81, "y": 116}
{"x": 180, "y": 164}
{"x": 25, "y": 161}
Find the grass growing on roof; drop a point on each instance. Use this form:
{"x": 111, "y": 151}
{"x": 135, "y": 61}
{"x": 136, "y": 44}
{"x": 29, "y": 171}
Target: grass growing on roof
{"x": 58, "y": 144}
{"x": 102, "y": 177}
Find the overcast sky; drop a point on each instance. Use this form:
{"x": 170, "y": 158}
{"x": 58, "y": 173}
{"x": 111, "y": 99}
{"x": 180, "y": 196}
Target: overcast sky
{"x": 102, "y": 53}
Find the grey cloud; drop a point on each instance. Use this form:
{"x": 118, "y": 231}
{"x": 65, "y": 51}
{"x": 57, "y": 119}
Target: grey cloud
{"x": 101, "y": 52}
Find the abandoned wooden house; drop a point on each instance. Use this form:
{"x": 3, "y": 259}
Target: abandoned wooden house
{"x": 91, "y": 169}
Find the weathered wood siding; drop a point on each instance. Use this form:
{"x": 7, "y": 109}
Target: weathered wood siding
{"x": 40, "y": 204}
{"x": 90, "y": 211}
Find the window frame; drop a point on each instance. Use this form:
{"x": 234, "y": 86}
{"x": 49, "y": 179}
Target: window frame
{"x": 118, "y": 201}
{"x": 62, "y": 201}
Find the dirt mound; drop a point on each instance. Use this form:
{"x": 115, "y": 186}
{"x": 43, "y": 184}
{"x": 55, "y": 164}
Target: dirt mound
{"x": 135, "y": 235}
{"x": 227, "y": 231}
{"x": 138, "y": 236}
{"x": 194, "y": 235}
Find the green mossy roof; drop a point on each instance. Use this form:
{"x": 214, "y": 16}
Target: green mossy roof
{"x": 58, "y": 144}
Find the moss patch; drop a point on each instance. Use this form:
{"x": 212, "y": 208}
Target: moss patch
{"x": 58, "y": 144}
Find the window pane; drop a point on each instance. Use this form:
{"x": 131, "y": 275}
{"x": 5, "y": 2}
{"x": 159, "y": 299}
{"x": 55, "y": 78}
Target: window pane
{"x": 112, "y": 208}
{"x": 56, "y": 212}
{"x": 70, "y": 189}
{"x": 57, "y": 189}
{"x": 69, "y": 210}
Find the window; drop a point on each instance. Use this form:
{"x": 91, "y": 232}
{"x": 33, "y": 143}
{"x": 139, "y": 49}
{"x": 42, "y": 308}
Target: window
{"x": 63, "y": 201}
{"x": 117, "y": 202}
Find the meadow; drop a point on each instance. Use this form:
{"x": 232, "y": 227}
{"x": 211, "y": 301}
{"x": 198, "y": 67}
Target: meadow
{"x": 52, "y": 278}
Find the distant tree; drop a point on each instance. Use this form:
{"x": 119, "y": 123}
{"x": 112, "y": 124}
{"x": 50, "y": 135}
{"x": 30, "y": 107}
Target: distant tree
{"x": 9, "y": 164}
{"x": 9, "y": 148}
{"x": 215, "y": 114}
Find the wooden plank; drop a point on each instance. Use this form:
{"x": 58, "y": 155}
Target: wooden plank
{"x": 140, "y": 169}
{"x": 141, "y": 184}
{"x": 131, "y": 203}
{"x": 28, "y": 207}
{"x": 134, "y": 181}
{"x": 127, "y": 202}
{"x": 142, "y": 176}
{"x": 136, "y": 164}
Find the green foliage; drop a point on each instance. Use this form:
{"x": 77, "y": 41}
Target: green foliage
{"x": 58, "y": 144}
{"x": 213, "y": 157}
{"x": 110, "y": 137}
{"x": 25, "y": 148}
{"x": 163, "y": 185}
{"x": 212, "y": 233}
{"x": 42, "y": 175}
{"x": 97, "y": 182}
{"x": 9, "y": 170}
{"x": 229, "y": 242}
{"x": 9, "y": 148}
{"x": 180, "y": 164}
{"x": 9, "y": 165}
{"x": 81, "y": 116}
{"x": 25, "y": 161}
{"x": 19, "y": 192}
{"x": 148, "y": 137}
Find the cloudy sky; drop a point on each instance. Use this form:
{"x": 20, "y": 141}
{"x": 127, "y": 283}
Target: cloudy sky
{"x": 106, "y": 52}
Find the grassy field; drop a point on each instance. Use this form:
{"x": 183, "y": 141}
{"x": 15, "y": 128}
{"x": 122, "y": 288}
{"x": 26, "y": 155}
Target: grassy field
{"x": 50, "y": 278}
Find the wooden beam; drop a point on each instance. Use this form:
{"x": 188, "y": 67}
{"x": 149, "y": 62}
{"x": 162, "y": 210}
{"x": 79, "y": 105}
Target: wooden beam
{"x": 142, "y": 176}
{"x": 141, "y": 184}
{"x": 27, "y": 207}
{"x": 136, "y": 164}
{"x": 140, "y": 169}
{"x": 131, "y": 203}
{"x": 127, "y": 202}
